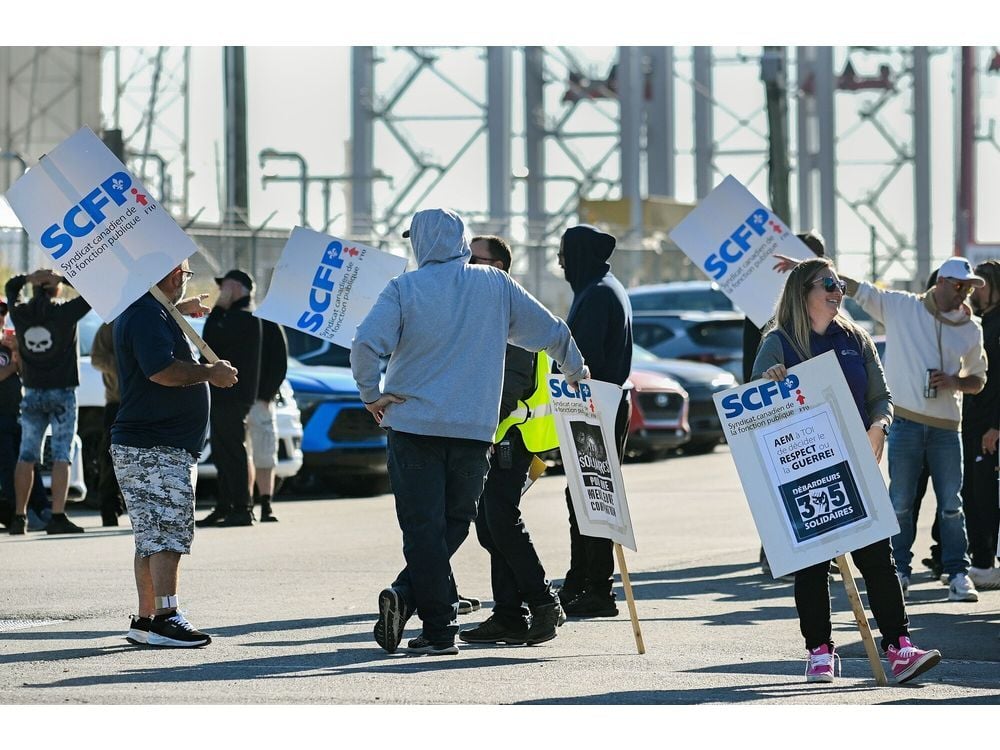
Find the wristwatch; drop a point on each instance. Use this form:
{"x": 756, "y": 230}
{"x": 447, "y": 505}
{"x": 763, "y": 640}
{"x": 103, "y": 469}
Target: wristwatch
{"x": 885, "y": 429}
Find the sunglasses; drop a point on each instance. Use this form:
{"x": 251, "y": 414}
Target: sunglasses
{"x": 476, "y": 259}
{"x": 830, "y": 284}
{"x": 961, "y": 288}
{"x": 187, "y": 274}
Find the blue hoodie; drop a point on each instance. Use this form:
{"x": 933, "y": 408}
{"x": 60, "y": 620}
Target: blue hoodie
{"x": 446, "y": 326}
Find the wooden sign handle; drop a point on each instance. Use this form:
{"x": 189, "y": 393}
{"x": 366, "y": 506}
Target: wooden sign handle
{"x": 192, "y": 335}
{"x": 636, "y": 630}
{"x": 847, "y": 574}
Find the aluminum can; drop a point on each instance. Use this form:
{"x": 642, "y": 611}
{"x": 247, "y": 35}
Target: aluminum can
{"x": 930, "y": 391}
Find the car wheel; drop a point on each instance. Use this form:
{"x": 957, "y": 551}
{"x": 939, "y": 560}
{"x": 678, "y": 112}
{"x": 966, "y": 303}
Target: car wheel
{"x": 698, "y": 449}
{"x": 90, "y": 428}
{"x": 361, "y": 486}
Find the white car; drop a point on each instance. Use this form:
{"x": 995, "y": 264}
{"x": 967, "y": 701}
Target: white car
{"x": 90, "y": 400}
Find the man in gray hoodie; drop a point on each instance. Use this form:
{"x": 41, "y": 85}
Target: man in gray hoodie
{"x": 445, "y": 327}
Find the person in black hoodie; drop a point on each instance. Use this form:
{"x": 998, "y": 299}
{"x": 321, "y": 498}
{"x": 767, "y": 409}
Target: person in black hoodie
{"x": 980, "y": 420}
{"x": 600, "y": 319}
{"x": 234, "y": 334}
{"x": 47, "y": 341}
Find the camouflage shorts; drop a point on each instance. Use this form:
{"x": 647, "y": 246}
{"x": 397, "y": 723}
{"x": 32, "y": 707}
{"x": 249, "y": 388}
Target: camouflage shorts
{"x": 158, "y": 487}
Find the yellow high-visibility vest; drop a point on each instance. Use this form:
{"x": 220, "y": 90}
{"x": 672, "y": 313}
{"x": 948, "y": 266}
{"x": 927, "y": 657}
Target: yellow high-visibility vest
{"x": 533, "y": 416}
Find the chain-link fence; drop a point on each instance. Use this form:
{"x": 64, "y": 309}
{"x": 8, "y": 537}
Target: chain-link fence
{"x": 257, "y": 251}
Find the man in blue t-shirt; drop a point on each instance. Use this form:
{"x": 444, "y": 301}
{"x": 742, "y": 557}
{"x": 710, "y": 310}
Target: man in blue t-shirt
{"x": 160, "y": 430}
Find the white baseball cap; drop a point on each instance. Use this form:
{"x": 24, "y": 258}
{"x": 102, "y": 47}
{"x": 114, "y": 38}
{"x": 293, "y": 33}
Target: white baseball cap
{"x": 960, "y": 269}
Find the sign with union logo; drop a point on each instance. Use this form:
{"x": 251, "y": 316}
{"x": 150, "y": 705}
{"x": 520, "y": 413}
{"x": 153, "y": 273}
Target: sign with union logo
{"x": 807, "y": 467}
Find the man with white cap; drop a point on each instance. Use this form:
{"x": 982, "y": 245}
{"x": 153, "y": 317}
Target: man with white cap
{"x": 934, "y": 354}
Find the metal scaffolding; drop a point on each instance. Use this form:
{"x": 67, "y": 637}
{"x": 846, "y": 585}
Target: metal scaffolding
{"x": 150, "y": 104}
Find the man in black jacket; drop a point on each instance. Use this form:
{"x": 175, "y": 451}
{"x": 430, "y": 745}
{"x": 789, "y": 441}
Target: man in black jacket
{"x": 234, "y": 334}
{"x": 980, "y": 420}
{"x": 516, "y": 573}
{"x": 600, "y": 320}
{"x": 262, "y": 420}
{"x": 47, "y": 340}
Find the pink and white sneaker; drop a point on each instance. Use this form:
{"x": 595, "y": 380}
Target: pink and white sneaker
{"x": 820, "y": 665}
{"x": 908, "y": 661}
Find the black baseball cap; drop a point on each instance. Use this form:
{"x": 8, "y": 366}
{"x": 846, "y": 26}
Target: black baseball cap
{"x": 237, "y": 275}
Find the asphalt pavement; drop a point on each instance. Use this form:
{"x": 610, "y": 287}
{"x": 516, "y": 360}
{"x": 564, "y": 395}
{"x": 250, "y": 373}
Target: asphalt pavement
{"x": 291, "y": 605}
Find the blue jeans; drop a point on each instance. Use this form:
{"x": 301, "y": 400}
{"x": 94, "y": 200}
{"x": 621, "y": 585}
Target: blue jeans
{"x": 437, "y": 482}
{"x": 910, "y": 444}
{"x": 40, "y": 408}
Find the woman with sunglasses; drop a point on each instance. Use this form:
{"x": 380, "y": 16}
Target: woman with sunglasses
{"x": 809, "y": 323}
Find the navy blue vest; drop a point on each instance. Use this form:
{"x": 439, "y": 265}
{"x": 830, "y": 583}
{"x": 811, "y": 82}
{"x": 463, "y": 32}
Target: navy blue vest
{"x": 850, "y": 354}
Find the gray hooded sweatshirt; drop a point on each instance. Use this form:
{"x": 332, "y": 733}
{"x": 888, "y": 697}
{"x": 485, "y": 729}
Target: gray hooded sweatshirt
{"x": 446, "y": 326}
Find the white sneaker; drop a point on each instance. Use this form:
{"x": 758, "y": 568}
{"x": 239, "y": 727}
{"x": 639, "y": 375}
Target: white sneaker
{"x": 985, "y": 578}
{"x": 904, "y": 583}
{"x": 962, "y": 589}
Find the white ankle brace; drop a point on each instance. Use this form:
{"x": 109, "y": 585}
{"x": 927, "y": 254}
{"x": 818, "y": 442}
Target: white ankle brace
{"x": 166, "y": 602}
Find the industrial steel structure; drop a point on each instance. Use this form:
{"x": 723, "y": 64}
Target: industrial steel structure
{"x": 542, "y": 129}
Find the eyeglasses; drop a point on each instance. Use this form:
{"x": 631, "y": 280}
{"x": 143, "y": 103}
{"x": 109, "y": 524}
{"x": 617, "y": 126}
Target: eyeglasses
{"x": 961, "y": 288}
{"x": 830, "y": 284}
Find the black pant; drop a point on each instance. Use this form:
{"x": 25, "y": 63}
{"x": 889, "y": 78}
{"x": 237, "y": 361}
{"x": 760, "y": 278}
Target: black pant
{"x": 107, "y": 483}
{"x": 10, "y": 445}
{"x": 591, "y": 559}
{"x": 229, "y": 453}
{"x": 437, "y": 482}
{"x": 922, "y": 482}
{"x": 812, "y": 596}
{"x": 979, "y": 499}
{"x": 516, "y": 572}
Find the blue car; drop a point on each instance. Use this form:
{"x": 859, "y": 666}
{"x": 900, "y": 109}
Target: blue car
{"x": 342, "y": 447}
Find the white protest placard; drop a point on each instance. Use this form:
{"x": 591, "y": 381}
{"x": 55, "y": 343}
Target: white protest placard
{"x": 585, "y": 423}
{"x": 325, "y": 285}
{"x": 103, "y": 229}
{"x": 806, "y": 465}
{"x": 731, "y": 236}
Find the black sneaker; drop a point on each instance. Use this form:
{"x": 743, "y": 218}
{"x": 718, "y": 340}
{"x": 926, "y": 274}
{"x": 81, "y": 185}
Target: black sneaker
{"x": 392, "y": 616}
{"x": 62, "y": 525}
{"x": 212, "y": 519}
{"x": 592, "y": 605}
{"x": 238, "y": 518}
{"x": 266, "y": 516}
{"x": 138, "y": 630}
{"x": 544, "y": 621}
{"x": 468, "y": 604}
{"x": 109, "y": 519}
{"x": 493, "y": 631}
{"x": 176, "y": 632}
{"x": 18, "y": 525}
{"x": 421, "y": 645}
{"x": 566, "y": 595}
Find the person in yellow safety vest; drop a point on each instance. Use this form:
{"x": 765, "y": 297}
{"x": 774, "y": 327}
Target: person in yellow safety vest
{"x": 526, "y": 609}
